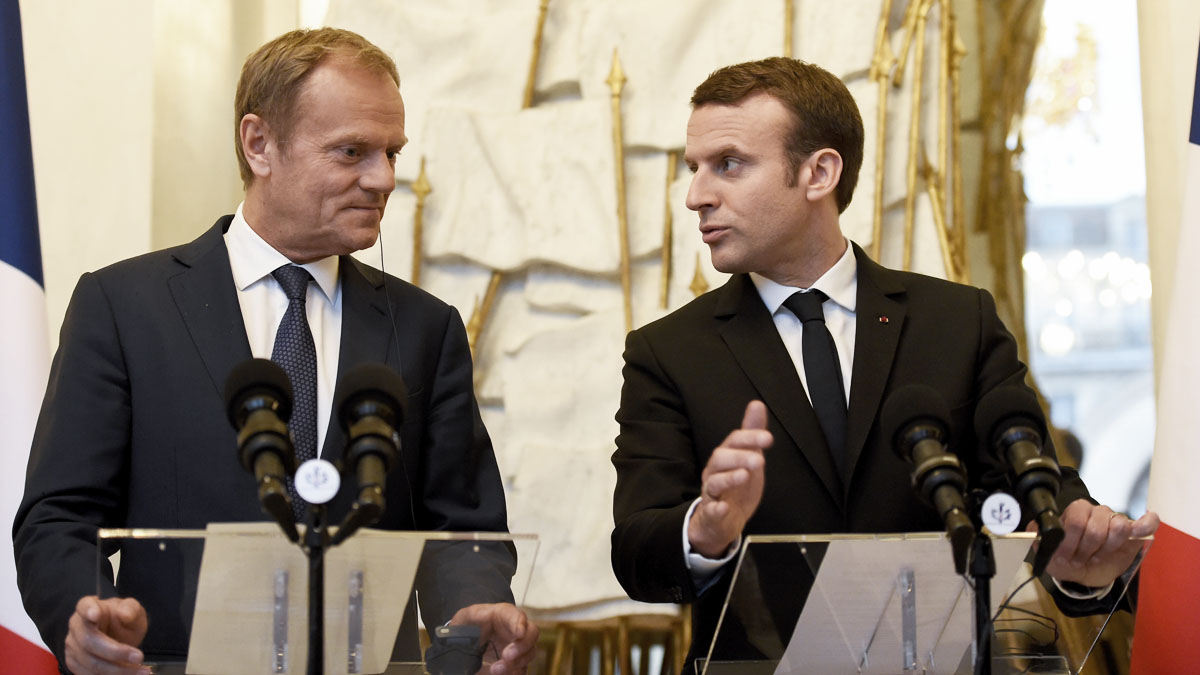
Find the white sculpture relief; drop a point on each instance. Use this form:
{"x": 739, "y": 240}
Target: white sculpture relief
{"x": 531, "y": 193}
{"x": 667, "y": 48}
{"x": 450, "y": 53}
{"x": 821, "y": 34}
{"x": 559, "y": 412}
{"x": 513, "y": 188}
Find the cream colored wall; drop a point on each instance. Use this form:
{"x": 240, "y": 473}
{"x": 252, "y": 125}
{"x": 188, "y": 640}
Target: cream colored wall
{"x": 194, "y": 74}
{"x": 198, "y": 55}
{"x": 130, "y": 108}
{"x": 88, "y": 68}
{"x": 1169, "y": 32}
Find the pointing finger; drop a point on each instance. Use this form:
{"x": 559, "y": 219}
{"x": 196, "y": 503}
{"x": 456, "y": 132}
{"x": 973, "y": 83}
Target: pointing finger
{"x": 755, "y": 416}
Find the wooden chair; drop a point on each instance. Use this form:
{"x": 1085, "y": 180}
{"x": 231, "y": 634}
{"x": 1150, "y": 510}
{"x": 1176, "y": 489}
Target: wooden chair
{"x": 574, "y": 643}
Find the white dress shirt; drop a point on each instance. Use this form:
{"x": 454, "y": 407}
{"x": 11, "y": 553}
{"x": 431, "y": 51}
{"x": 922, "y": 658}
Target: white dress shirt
{"x": 264, "y": 303}
{"x": 840, "y": 283}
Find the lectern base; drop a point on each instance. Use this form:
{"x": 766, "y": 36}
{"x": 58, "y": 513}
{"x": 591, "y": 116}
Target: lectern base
{"x": 738, "y": 667}
{"x": 1001, "y": 665}
{"x": 178, "y": 668}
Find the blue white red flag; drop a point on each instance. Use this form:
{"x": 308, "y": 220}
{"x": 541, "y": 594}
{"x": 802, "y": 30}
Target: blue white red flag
{"x": 24, "y": 347}
{"x": 1168, "y": 617}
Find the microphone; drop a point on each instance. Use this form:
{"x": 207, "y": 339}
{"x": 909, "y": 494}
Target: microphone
{"x": 917, "y": 418}
{"x": 1010, "y": 424}
{"x": 370, "y": 406}
{"x": 258, "y": 400}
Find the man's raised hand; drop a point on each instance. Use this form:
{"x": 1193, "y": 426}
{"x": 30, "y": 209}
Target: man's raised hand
{"x": 732, "y": 485}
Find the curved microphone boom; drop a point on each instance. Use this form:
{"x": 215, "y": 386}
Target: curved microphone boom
{"x": 916, "y": 416}
{"x": 1010, "y": 423}
{"x": 370, "y": 406}
{"x": 258, "y": 400}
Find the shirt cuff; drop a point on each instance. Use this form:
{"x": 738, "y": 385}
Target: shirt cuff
{"x": 702, "y": 568}
{"x": 1080, "y": 592}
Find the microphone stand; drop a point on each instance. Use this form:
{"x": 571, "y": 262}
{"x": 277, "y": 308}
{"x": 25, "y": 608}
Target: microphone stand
{"x": 316, "y": 540}
{"x": 982, "y": 569}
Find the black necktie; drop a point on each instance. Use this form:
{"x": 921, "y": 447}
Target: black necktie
{"x": 296, "y": 353}
{"x": 823, "y": 372}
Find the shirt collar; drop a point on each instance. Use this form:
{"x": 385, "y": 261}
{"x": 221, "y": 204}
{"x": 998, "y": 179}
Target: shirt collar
{"x": 251, "y": 258}
{"x": 839, "y": 282}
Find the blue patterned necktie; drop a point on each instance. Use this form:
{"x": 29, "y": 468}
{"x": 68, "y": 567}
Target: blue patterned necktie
{"x": 823, "y": 371}
{"x": 296, "y": 353}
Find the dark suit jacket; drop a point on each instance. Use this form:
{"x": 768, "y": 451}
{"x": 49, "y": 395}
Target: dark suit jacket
{"x": 133, "y": 430}
{"x": 689, "y": 376}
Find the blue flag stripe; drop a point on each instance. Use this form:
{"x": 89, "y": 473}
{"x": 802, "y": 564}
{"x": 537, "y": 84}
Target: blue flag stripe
{"x": 1194, "y": 133}
{"x": 19, "y": 244}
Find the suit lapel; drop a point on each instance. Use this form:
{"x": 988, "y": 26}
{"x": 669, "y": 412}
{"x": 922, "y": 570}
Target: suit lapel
{"x": 207, "y": 301}
{"x": 366, "y": 337}
{"x": 879, "y": 320}
{"x": 754, "y": 342}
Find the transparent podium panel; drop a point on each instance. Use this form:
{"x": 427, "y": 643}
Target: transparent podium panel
{"x": 234, "y": 598}
{"x": 894, "y": 604}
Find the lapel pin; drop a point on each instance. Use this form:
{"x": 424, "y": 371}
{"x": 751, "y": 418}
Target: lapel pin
{"x": 883, "y": 319}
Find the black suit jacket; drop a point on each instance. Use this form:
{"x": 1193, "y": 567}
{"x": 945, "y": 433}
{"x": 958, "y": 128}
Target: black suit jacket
{"x": 689, "y": 376}
{"x": 133, "y": 430}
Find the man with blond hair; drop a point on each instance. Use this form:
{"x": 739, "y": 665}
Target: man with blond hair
{"x": 133, "y": 430}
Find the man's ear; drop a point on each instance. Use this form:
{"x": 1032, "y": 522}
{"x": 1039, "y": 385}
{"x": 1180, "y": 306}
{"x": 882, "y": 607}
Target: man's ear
{"x": 258, "y": 144}
{"x": 820, "y": 173}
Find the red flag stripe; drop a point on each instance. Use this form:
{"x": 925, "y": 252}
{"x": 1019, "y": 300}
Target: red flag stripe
{"x": 1166, "y": 638}
{"x": 22, "y": 657}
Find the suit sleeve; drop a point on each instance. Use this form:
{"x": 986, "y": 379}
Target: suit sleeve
{"x": 999, "y": 366}
{"x": 78, "y": 468}
{"x": 460, "y": 491}
{"x": 658, "y": 477}
{"x": 461, "y": 488}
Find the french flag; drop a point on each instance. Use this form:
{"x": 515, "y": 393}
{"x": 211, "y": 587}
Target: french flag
{"x": 24, "y": 347}
{"x": 1167, "y": 632}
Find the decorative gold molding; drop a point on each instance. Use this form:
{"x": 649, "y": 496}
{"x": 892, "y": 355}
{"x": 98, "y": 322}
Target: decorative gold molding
{"x": 958, "y": 209}
{"x": 914, "y": 131}
{"x": 480, "y": 313}
{"x": 531, "y": 78}
{"x": 933, "y": 185}
{"x": 945, "y": 46}
{"x": 881, "y": 69}
{"x": 909, "y": 28}
{"x": 482, "y": 310}
{"x": 1000, "y": 203}
{"x": 616, "y": 83}
{"x": 664, "y": 290}
{"x": 421, "y": 188}
{"x": 789, "y": 26}
{"x": 699, "y": 285}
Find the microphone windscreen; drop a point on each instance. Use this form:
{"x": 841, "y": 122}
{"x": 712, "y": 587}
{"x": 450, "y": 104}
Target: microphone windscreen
{"x": 257, "y": 377}
{"x": 374, "y": 382}
{"x": 1005, "y": 407}
{"x": 911, "y": 404}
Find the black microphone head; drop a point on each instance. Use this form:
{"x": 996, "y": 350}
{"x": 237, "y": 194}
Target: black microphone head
{"x": 1004, "y": 408}
{"x": 257, "y": 382}
{"x": 910, "y": 405}
{"x": 376, "y": 385}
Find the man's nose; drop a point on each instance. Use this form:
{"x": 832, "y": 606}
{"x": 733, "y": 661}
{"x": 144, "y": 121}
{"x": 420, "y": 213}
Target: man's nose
{"x": 379, "y": 175}
{"x": 700, "y": 193}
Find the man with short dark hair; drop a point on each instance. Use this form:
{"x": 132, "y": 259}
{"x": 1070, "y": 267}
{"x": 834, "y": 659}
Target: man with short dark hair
{"x": 729, "y": 426}
{"x": 133, "y": 429}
